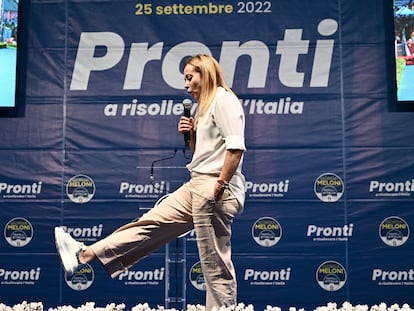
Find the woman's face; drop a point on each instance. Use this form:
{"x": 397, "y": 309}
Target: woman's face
{"x": 192, "y": 81}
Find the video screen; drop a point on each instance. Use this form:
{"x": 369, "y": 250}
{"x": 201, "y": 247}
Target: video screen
{"x": 8, "y": 52}
{"x": 404, "y": 49}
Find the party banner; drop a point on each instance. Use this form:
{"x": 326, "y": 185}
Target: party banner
{"x": 329, "y": 161}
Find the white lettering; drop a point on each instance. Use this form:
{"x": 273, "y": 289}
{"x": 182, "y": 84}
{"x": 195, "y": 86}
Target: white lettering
{"x": 346, "y": 231}
{"x": 139, "y": 56}
{"x": 86, "y": 61}
{"x": 282, "y": 186}
{"x": 30, "y": 275}
{"x": 95, "y": 231}
{"x": 129, "y": 188}
{"x": 323, "y": 52}
{"x": 378, "y": 274}
{"x": 155, "y": 275}
{"x": 283, "y": 106}
{"x": 290, "y": 49}
{"x": 404, "y": 186}
{"x": 259, "y": 56}
{"x": 34, "y": 188}
{"x": 251, "y": 274}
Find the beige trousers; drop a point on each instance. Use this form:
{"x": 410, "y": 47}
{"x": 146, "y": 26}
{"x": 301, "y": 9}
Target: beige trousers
{"x": 190, "y": 206}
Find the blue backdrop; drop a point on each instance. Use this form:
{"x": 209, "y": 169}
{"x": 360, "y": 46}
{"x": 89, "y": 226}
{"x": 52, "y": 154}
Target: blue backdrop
{"x": 329, "y": 166}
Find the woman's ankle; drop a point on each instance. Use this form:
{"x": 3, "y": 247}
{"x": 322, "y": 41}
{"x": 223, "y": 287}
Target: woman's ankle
{"x": 86, "y": 256}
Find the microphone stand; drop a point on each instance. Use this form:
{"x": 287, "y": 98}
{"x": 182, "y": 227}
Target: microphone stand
{"x": 176, "y": 240}
{"x": 156, "y": 161}
{"x": 184, "y": 155}
{"x": 164, "y": 159}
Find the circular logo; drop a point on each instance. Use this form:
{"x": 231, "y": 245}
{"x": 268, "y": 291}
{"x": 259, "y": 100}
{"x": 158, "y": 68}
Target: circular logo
{"x": 18, "y": 232}
{"x": 394, "y": 231}
{"x": 266, "y": 231}
{"x": 331, "y": 276}
{"x": 197, "y": 277}
{"x": 81, "y": 279}
{"x": 80, "y": 189}
{"x": 329, "y": 187}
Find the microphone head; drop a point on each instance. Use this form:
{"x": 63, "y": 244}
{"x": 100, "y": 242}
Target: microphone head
{"x": 187, "y": 103}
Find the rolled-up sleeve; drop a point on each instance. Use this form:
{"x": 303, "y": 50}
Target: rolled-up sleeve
{"x": 230, "y": 120}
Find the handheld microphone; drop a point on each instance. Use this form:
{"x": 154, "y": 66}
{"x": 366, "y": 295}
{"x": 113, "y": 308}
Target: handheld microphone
{"x": 187, "y": 103}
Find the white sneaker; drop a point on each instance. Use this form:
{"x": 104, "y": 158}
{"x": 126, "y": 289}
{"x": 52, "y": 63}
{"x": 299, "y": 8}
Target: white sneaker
{"x": 68, "y": 250}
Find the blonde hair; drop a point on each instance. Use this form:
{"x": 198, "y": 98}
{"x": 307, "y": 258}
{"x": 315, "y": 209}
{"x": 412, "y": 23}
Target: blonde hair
{"x": 211, "y": 78}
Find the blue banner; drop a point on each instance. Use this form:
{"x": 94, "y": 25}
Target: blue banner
{"x": 329, "y": 166}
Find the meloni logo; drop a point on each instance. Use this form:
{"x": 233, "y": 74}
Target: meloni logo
{"x": 329, "y": 187}
{"x": 394, "y": 231}
{"x": 266, "y": 231}
{"x": 18, "y": 232}
{"x": 331, "y": 276}
{"x": 81, "y": 279}
{"x": 80, "y": 189}
{"x": 197, "y": 277}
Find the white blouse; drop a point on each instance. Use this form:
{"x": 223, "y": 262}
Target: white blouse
{"x": 219, "y": 129}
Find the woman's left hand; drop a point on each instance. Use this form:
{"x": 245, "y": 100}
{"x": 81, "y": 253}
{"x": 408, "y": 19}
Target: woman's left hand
{"x": 218, "y": 191}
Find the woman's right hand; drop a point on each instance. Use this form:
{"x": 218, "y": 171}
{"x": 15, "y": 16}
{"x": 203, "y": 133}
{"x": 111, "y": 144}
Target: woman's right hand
{"x": 185, "y": 124}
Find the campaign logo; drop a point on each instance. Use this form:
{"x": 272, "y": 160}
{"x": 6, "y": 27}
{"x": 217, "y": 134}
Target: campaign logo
{"x": 85, "y": 234}
{"x": 331, "y": 276}
{"x": 393, "y": 277}
{"x": 267, "y": 277}
{"x": 392, "y": 189}
{"x": 19, "y": 277}
{"x": 328, "y": 233}
{"x": 197, "y": 277}
{"x": 80, "y": 189}
{"x": 329, "y": 187}
{"x": 81, "y": 279}
{"x": 20, "y": 191}
{"x": 276, "y": 189}
{"x": 394, "y": 231}
{"x": 143, "y": 191}
{"x": 142, "y": 277}
{"x": 18, "y": 232}
{"x": 266, "y": 231}
{"x": 170, "y": 59}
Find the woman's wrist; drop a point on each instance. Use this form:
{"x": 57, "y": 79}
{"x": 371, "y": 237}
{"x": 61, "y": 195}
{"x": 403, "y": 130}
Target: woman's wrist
{"x": 223, "y": 184}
